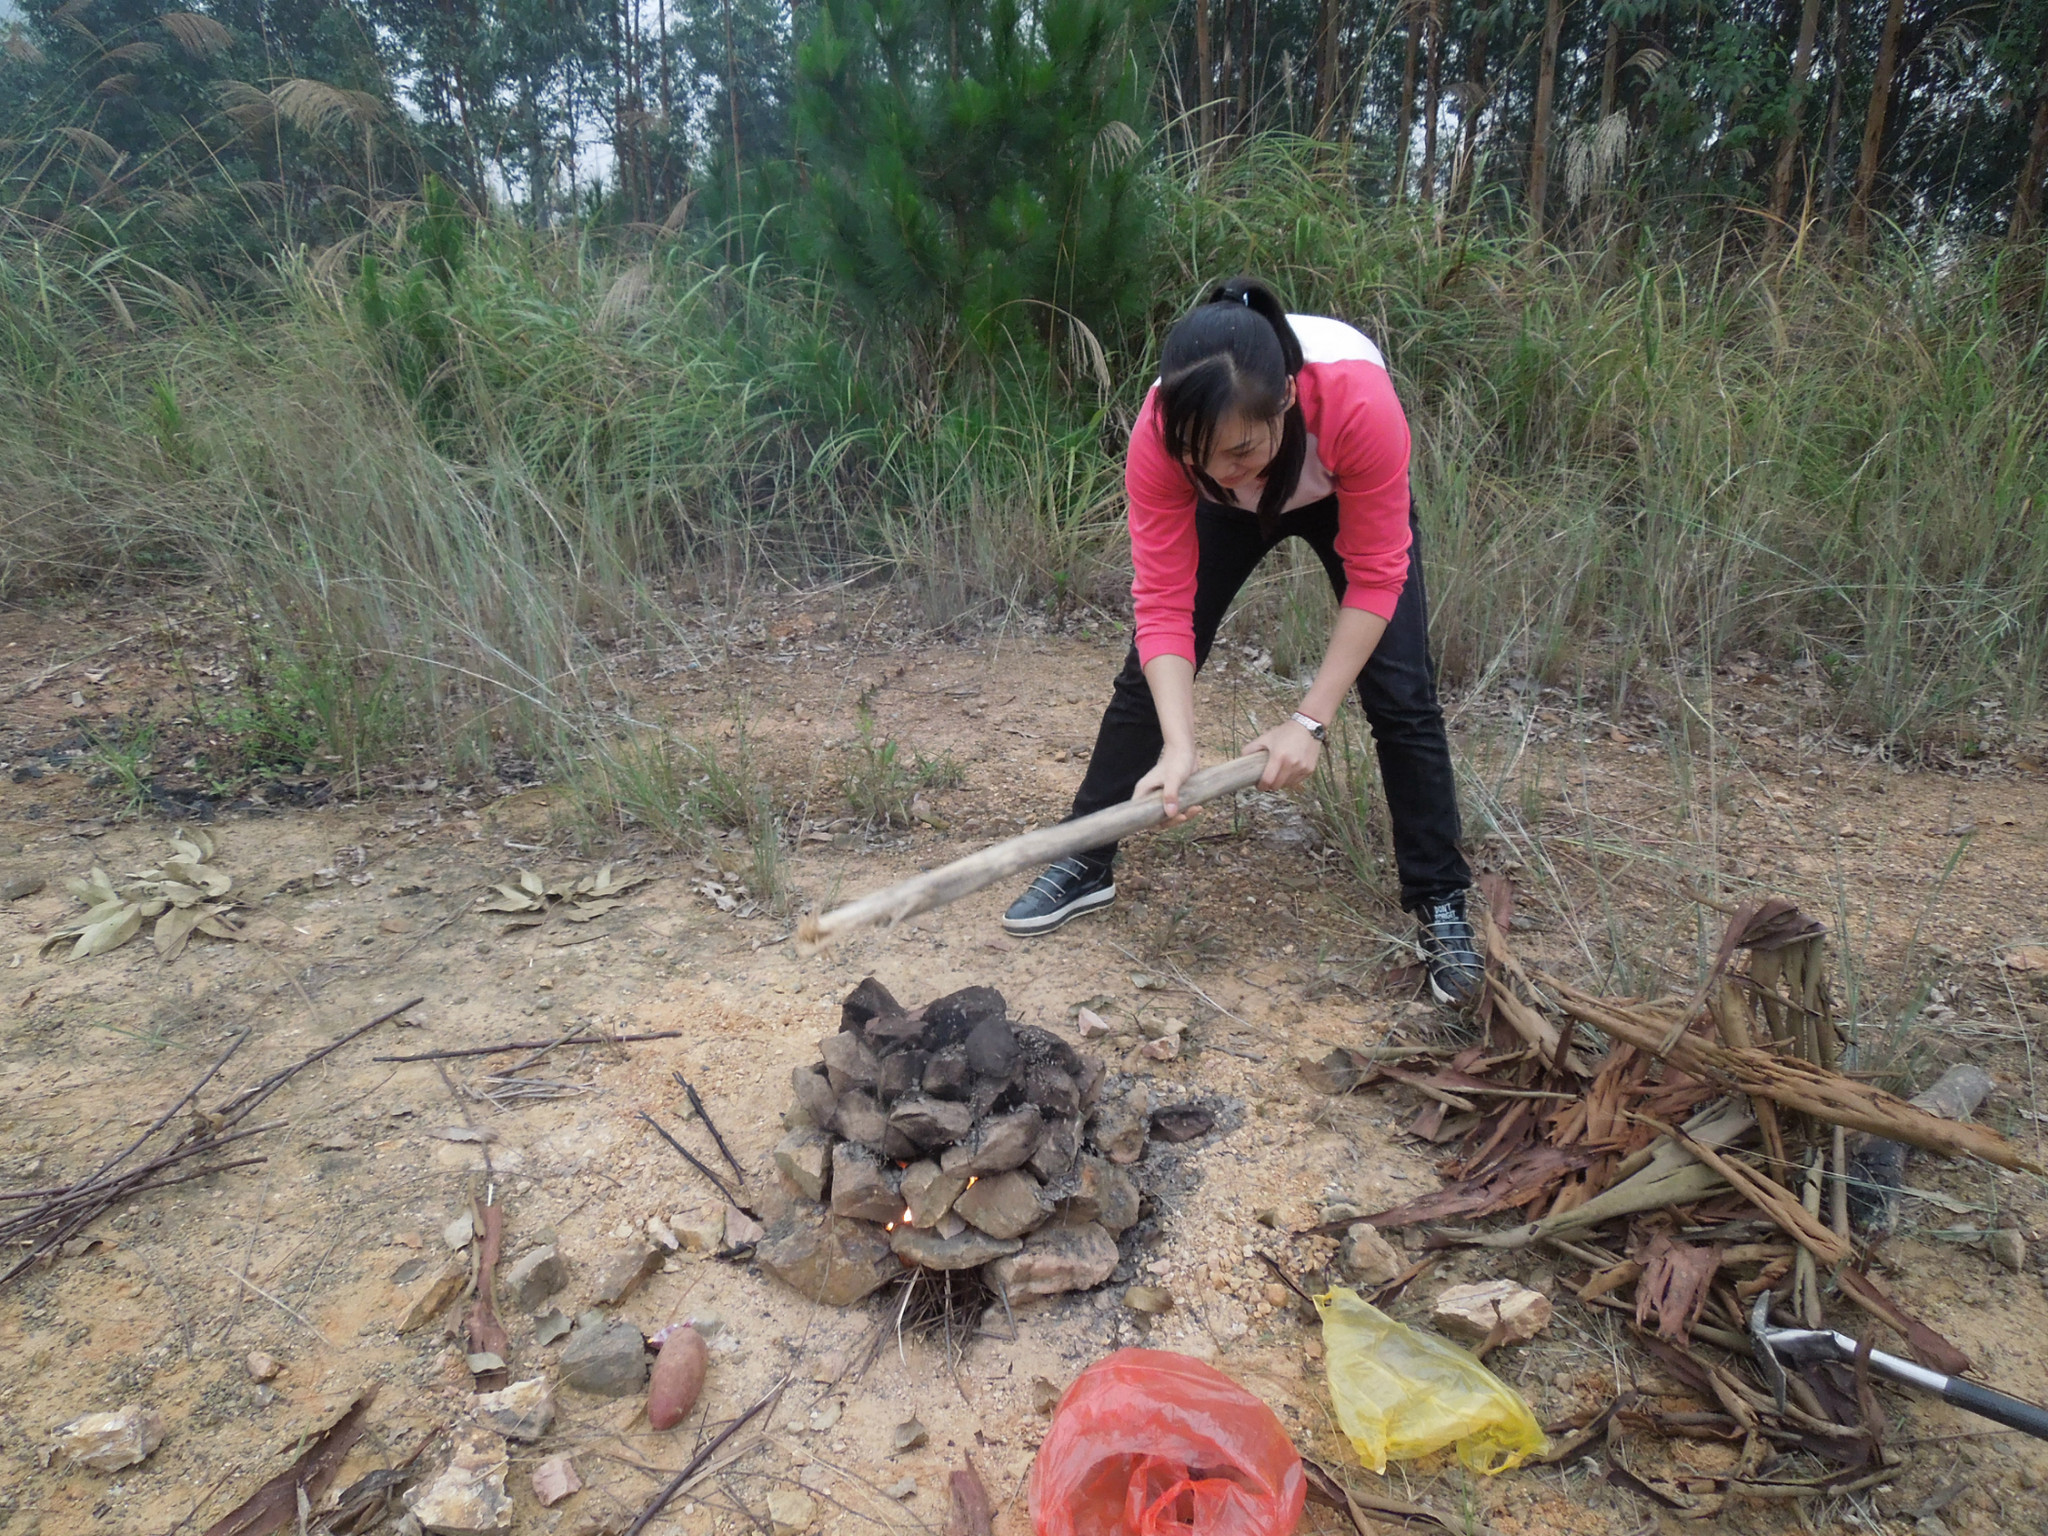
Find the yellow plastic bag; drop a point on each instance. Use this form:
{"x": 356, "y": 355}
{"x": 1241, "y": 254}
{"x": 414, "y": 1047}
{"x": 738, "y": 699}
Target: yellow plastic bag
{"x": 1401, "y": 1393}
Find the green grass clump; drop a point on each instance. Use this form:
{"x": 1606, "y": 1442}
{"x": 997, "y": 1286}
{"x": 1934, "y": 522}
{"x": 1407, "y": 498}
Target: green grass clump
{"x": 442, "y": 486}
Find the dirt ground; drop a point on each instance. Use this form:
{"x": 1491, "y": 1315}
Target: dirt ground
{"x": 1245, "y": 924}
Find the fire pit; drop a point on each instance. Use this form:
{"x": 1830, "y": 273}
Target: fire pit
{"x": 948, "y": 1138}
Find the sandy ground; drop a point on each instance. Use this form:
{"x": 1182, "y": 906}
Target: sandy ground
{"x": 1242, "y": 924}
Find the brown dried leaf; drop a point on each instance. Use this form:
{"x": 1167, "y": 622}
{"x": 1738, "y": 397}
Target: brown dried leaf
{"x": 1674, "y": 1284}
{"x": 1927, "y": 1346}
{"x": 276, "y": 1504}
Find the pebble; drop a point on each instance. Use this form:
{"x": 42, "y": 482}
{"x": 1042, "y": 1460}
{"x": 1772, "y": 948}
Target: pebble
{"x": 2009, "y": 1248}
{"x": 522, "y": 1411}
{"x": 1044, "y": 1395}
{"x": 1470, "y": 1310}
{"x": 826, "y": 1414}
{"x": 536, "y": 1277}
{"x": 107, "y": 1442}
{"x": 470, "y": 1494}
{"x": 623, "y": 1275}
{"x": 606, "y": 1361}
{"x": 1148, "y": 1299}
{"x": 790, "y": 1511}
{"x": 261, "y": 1367}
{"x": 554, "y": 1480}
{"x": 459, "y": 1231}
{"x": 909, "y": 1435}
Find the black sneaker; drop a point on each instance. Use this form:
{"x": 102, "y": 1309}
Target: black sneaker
{"x": 1064, "y": 891}
{"x": 1457, "y": 976}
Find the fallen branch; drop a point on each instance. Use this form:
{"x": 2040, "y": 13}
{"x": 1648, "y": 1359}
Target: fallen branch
{"x": 277, "y": 1503}
{"x": 528, "y": 1045}
{"x": 1796, "y": 1084}
{"x": 659, "y": 1502}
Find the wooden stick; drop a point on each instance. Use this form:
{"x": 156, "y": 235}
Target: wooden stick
{"x": 530, "y": 1045}
{"x": 938, "y": 887}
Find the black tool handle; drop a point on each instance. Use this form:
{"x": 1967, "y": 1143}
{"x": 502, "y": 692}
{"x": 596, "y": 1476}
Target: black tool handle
{"x": 2012, "y": 1412}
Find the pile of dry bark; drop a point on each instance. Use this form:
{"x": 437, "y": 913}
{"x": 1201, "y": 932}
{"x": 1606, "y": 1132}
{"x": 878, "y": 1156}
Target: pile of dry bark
{"x": 1694, "y": 1154}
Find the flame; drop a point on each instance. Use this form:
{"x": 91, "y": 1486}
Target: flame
{"x": 972, "y": 1180}
{"x": 905, "y": 1217}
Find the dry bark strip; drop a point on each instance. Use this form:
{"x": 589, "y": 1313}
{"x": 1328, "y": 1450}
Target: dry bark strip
{"x": 939, "y": 887}
{"x": 1799, "y": 1085}
{"x": 276, "y": 1504}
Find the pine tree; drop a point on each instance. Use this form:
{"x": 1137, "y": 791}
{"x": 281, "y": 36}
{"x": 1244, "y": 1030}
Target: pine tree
{"x": 976, "y": 160}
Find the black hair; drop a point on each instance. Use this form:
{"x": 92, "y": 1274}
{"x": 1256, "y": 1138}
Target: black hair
{"x": 1233, "y": 354}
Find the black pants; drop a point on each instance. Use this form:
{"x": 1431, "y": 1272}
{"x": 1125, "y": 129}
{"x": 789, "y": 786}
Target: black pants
{"x": 1397, "y": 688}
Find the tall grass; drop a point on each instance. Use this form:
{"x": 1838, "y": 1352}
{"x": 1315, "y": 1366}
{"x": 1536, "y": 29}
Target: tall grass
{"x": 442, "y": 521}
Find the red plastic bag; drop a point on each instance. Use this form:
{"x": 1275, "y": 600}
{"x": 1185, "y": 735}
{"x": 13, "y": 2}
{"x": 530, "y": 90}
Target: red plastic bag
{"x": 1150, "y": 1443}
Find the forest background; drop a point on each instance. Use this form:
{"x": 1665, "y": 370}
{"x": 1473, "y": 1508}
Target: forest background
{"x": 451, "y": 340}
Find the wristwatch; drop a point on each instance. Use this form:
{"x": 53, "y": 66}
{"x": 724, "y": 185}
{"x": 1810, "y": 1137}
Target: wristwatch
{"x": 1315, "y": 728}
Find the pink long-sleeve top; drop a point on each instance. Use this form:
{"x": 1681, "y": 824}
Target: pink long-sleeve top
{"x": 1357, "y": 448}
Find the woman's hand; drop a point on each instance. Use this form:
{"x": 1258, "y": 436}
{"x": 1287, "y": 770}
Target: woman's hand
{"x": 1175, "y": 764}
{"x": 1291, "y": 755}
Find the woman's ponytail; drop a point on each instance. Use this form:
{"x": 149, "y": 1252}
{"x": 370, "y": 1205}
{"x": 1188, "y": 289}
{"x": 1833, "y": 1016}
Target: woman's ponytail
{"x": 1219, "y": 361}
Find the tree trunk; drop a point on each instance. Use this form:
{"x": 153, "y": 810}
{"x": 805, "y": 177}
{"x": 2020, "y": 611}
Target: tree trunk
{"x": 1539, "y": 132}
{"x": 1874, "y": 119}
{"x": 2026, "y": 201}
{"x": 1406, "y": 130}
{"x": 1610, "y": 71}
{"x": 1432, "y": 85}
{"x": 1202, "y": 76}
{"x": 1788, "y": 147}
{"x": 1468, "y": 117}
{"x": 1831, "y": 137}
{"x": 1327, "y": 92}
{"x": 1247, "y": 53}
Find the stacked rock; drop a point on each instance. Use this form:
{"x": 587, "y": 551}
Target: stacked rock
{"x": 967, "y": 1140}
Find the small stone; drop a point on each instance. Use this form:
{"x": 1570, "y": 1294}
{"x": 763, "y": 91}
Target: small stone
{"x": 522, "y": 1411}
{"x": 969, "y": 1250}
{"x": 848, "y": 1062}
{"x": 483, "y": 1362}
{"x": 606, "y": 1361}
{"x": 659, "y": 1234}
{"x": 929, "y": 1193}
{"x": 1161, "y": 1029}
{"x": 430, "y": 1296}
{"x": 107, "y": 1442}
{"x": 1055, "y": 1260}
{"x": 1001, "y": 1142}
{"x": 836, "y": 1263}
{"x": 826, "y": 1414}
{"x": 1148, "y": 1299}
{"x": 860, "y": 1118}
{"x": 1120, "y": 1131}
{"x": 908, "y": 1436}
{"x": 699, "y": 1233}
{"x": 1002, "y": 1204}
{"x": 947, "y": 1075}
{"x": 1369, "y": 1258}
{"x": 741, "y": 1230}
{"x": 623, "y": 1275}
{"x": 2008, "y": 1248}
{"x": 815, "y": 1094}
{"x": 790, "y": 1512}
{"x": 1058, "y": 1145}
{"x": 261, "y": 1367}
{"x": 20, "y": 883}
{"x": 459, "y": 1231}
{"x": 862, "y": 1189}
{"x": 930, "y": 1122}
{"x": 1091, "y": 1024}
{"x": 1270, "y": 1217}
{"x": 1276, "y": 1294}
{"x": 804, "y": 1159}
{"x": 1165, "y": 1048}
{"x": 554, "y": 1480}
{"x": 1106, "y": 1194}
{"x": 992, "y": 1049}
{"x": 549, "y": 1327}
{"x": 1052, "y": 1090}
{"x": 1469, "y": 1310}
{"x": 1044, "y": 1396}
{"x": 470, "y": 1494}
{"x": 536, "y": 1277}
{"x": 901, "y": 1489}
{"x": 901, "y": 1074}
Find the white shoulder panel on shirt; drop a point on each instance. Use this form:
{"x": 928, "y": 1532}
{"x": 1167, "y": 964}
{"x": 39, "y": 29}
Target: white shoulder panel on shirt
{"x": 1324, "y": 340}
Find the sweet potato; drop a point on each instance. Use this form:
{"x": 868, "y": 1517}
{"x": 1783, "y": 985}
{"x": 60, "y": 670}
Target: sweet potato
{"x": 677, "y": 1377}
